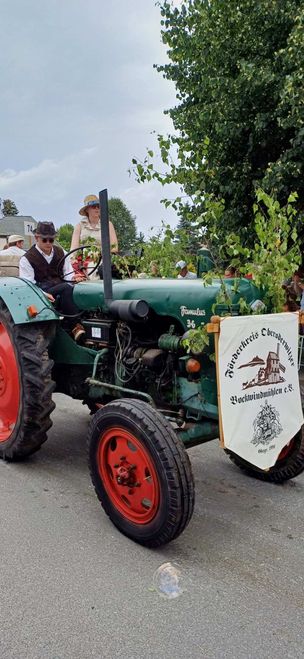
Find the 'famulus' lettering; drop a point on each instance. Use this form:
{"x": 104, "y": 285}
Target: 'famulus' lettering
{"x": 192, "y": 312}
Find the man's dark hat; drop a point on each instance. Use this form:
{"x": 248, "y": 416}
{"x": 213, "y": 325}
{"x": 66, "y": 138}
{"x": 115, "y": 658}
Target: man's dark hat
{"x": 45, "y": 229}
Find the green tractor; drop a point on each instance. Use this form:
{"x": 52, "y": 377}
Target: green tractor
{"x": 150, "y": 399}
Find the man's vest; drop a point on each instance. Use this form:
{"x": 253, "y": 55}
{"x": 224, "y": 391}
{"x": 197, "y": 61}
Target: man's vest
{"x": 46, "y": 274}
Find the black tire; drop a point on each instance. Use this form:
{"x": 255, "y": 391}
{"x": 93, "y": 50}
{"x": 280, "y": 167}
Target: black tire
{"x": 28, "y": 346}
{"x": 289, "y": 466}
{"x": 171, "y": 464}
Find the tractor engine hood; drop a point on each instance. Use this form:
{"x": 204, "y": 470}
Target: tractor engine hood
{"x": 185, "y": 301}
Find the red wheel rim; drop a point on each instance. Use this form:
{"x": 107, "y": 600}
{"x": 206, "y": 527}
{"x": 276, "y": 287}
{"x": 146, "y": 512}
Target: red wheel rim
{"x": 128, "y": 475}
{"x": 9, "y": 386}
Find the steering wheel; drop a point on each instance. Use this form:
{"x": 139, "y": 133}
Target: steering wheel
{"x": 88, "y": 271}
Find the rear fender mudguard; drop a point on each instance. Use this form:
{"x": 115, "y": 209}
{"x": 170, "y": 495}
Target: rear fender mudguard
{"x": 18, "y": 295}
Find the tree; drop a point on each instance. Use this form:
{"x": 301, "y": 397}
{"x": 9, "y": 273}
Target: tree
{"x": 191, "y": 231}
{"x": 140, "y": 238}
{"x": 163, "y": 249}
{"x": 238, "y": 71}
{"x": 8, "y": 207}
{"x": 276, "y": 252}
{"x": 64, "y": 235}
{"x": 124, "y": 223}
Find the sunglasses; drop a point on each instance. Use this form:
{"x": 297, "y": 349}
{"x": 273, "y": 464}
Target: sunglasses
{"x": 93, "y": 206}
{"x": 48, "y": 240}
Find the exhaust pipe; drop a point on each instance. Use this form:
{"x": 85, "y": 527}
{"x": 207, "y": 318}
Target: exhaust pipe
{"x": 105, "y": 247}
{"x": 129, "y": 310}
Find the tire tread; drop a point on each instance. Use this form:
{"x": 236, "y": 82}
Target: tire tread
{"x": 283, "y": 470}
{"x": 36, "y": 385}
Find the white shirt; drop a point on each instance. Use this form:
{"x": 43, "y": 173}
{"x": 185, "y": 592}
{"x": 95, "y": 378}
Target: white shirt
{"x": 12, "y": 251}
{"x": 189, "y": 275}
{"x": 26, "y": 271}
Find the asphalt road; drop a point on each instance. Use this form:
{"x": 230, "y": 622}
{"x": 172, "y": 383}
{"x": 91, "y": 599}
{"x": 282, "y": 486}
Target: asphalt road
{"x": 71, "y": 586}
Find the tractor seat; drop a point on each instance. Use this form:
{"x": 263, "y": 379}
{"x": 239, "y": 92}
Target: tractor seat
{"x": 9, "y": 265}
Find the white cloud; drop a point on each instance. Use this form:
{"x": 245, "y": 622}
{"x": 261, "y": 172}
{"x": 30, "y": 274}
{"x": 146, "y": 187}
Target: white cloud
{"x": 75, "y": 74}
{"x": 48, "y": 180}
{"x": 141, "y": 196}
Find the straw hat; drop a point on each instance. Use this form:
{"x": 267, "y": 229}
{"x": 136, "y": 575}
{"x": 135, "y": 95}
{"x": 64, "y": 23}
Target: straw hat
{"x": 89, "y": 200}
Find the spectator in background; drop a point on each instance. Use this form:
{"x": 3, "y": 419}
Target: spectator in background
{"x": 290, "y": 305}
{"x": 11, "y": 255}
{"x": 154, "y": 269}
{"x": 230, "y": 272}
{"x": 184, "y": 273}
{"x": 294, "y": 286}
{"x": 14, "y": 246}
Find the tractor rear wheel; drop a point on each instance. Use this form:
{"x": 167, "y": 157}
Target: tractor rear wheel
{"x": 141, "y": 472}
{"x": 25, "y": 386}
{"x": 289, "y": 464}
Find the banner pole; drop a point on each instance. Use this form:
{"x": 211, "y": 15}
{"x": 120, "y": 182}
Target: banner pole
{"x": 214, "y": 327}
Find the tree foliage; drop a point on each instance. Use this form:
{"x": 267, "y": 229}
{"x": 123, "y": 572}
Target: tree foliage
{"x": 124, "y": 223}
{"x": 192, "y": 232}
{"x": 8, "y": 207}
{"x": 275, "y": 253}
{"x": 238, "y": 68}
{"x": 163, "y": 250}
{"x": 64, "y": 235}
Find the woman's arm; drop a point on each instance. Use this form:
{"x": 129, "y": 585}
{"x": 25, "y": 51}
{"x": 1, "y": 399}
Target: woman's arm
{"x": 75, "y": 242}
{"x": 113, "y": 239}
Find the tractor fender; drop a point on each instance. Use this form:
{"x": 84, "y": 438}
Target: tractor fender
{"x": 23, "y": 299}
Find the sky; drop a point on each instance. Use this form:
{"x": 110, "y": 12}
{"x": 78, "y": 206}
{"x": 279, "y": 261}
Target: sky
{"x": 79, "y": 98}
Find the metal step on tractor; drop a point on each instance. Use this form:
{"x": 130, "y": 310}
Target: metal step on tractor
{"x": 150, "y": 398}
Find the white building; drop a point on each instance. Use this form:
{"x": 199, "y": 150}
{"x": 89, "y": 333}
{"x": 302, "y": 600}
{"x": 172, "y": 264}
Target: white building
{"x": 22, "y": 225}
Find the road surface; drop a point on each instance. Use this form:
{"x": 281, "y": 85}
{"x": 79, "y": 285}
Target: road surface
{"x": 71, "y": 586}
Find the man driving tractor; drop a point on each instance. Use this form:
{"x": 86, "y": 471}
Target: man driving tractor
{"x": 45, "y": 265}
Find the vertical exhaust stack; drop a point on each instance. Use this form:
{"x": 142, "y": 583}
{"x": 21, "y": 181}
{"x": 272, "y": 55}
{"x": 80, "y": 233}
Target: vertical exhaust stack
{"x": 129, "y": 310}
{"x": 106, "y": 247}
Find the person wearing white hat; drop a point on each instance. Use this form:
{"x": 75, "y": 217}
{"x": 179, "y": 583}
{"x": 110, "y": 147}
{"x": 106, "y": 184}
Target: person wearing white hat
{"x": 184, "y": 273}
{"x": 11, "y": 255}
{"x": 15, "y": 246}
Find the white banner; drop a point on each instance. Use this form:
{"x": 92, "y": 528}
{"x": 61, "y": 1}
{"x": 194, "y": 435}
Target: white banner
{"x": 259, "y": 385}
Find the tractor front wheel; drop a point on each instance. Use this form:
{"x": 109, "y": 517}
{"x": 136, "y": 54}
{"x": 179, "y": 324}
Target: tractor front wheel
{"x": 141, "y": 472}
{"x": 289, "y": 464}
{"x": 25, "y": 386}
